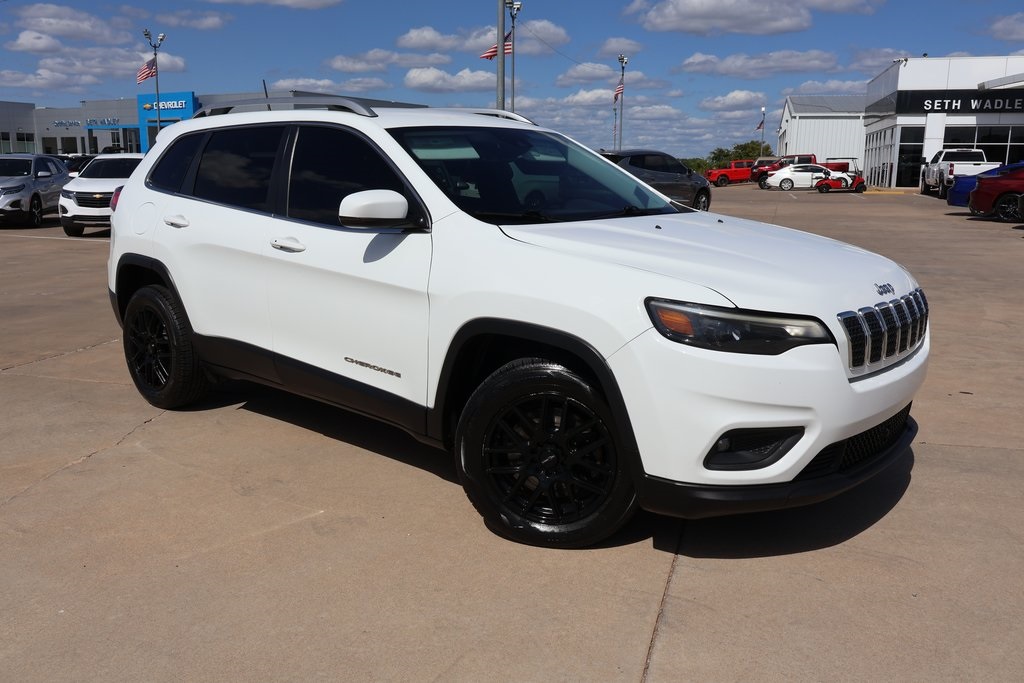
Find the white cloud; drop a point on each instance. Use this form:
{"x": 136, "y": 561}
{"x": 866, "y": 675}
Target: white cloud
{"x": 427, "y": 38}
{"x": 380, "y": 60}
{"x": 735, "y": 100}
{"x": 1008, "y": 28}
{"x": 830, "y": 87}
{"x": 293, "y": 4}
{"x": 33, "y": 41}
{"x": 430, "y": 79}
{"x": 712, "y": 17}
{"x": 619, "y": 46}
{"x": 758, "y": 66}
{"x": 65, "y": 22}
{"x": 204, "y": 21}
{"x": 588, "y": 72}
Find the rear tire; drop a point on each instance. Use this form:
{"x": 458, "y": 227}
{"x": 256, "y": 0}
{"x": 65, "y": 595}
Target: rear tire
{"x": 786, "y": 184}
{"x": 823, "y": 188}
{"x": 942, "y": 190}
{"x": 762, "y": 182}
{"x": 158, "y": 349}
{"x": 539, "y": 456}
{"x": 1005, "y": 209}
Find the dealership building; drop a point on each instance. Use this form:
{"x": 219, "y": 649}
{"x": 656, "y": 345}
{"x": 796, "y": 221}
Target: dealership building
{"x": 913, "y": 109}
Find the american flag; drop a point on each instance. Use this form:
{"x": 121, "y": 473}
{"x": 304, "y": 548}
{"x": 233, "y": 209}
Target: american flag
{"x": 760, "y": 125}
{"x": 492, "y": 51}
{"x": 147, "y": 70}
{"x": 618, "y": 92}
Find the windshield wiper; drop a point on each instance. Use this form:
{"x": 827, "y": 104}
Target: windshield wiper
{"x": 629, "y": 211}
{"x": 521, "y": 217}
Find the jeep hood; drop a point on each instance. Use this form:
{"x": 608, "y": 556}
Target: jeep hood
{"x": 755, "y": 265}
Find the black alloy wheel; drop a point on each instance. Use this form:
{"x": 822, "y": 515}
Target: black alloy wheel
{"x": 1006, "y": 209}
{"x": 539, "y": 457}
{"x": 722, "y": 181}
{"x": 35, "y": 212}
{"x": 702, "y": 202}
{"x": 158, "y": 349}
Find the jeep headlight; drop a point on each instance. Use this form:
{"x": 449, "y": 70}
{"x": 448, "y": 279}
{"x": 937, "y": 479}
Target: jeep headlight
{"x": 14, "y": 189}
{"x": 734, "y": 330}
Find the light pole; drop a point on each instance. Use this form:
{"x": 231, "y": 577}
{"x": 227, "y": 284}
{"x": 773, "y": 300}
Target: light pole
{"x": 762, "y": 132}
{"x": 513, "y": 10}
{"x": 621, "y": 90}
{"x": 156, "y": 69}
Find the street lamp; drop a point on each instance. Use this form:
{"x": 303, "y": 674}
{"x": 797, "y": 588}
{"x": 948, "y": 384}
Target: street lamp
{"x": 156, "y": 69}
{"x": 623, "y": 60}
{"x": 762, "y": 131}
{"x": 513, "y": 10}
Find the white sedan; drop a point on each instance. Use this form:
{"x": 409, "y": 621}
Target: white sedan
{"x": 805, "y": 176}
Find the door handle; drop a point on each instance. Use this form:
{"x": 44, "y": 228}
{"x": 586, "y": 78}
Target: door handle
{"x": 178, "y": 221}
{"x": 289, "y": 244}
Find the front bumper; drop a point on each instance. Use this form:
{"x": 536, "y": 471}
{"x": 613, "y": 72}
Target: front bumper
{"x": 682, "y": 402}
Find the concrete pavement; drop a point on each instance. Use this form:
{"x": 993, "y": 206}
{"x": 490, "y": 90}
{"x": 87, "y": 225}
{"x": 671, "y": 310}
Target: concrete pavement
{"x": 262, "y": 537}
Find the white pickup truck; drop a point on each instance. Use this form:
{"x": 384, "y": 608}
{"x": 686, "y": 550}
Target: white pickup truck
{"x": 939, "y": 173}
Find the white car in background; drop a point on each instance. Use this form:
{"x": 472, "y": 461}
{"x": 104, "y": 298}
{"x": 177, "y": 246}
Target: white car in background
{"x": 805, "y": 177}
{"x": 85, "y": 200}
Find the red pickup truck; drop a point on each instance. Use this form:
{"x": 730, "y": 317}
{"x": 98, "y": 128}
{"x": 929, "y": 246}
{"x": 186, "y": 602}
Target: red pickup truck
{"x": 764, "y": 171}
{"x": 736, "y": 171}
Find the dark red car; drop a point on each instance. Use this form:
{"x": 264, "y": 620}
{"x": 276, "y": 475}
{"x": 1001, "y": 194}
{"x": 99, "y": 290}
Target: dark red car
{"x": 997, "y": 195}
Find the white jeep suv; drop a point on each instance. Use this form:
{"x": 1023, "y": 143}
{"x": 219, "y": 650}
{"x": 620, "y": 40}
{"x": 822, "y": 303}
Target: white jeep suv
{"x": 583, "y": 345}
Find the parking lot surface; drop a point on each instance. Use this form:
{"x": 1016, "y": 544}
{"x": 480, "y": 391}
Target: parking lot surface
{"x": 263, "y": 537}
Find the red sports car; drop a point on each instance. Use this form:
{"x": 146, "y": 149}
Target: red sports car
{"x": 997, "y": 195}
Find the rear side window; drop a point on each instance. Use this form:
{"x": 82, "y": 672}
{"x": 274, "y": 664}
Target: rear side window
{"x": 236, "y": 166}
{"x": 169, "y": 173}
{"x": 328, "y": 165}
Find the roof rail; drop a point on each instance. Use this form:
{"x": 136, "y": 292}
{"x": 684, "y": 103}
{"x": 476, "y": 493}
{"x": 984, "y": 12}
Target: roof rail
{"x": 499, "y": 113}
{"x": 356, "y": 105}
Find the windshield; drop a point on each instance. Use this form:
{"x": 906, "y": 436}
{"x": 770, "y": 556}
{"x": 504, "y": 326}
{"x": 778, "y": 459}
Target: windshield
{"x": 14, "y": 167}
{"x": 109, "y": 168}
{"x": 513, "y": 175}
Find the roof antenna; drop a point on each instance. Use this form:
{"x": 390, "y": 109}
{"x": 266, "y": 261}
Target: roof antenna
{"x": 265, "y": 93}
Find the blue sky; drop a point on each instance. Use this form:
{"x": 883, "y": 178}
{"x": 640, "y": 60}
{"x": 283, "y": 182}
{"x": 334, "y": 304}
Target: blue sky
{"x": 698, "y": 73}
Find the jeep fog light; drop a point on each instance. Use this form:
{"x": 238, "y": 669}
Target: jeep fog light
{"x": 735, "y": 330}
{"x": 751, "y": 449}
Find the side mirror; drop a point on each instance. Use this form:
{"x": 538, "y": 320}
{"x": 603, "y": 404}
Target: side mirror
{"x": 374, "y": 209}
{"x": 43, "y": 174}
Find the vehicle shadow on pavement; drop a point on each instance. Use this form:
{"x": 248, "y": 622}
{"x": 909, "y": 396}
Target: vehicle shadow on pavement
{"x": 797, "y": 530}
{"x": 763, "y": 534}
{"x": 334, "y": 423}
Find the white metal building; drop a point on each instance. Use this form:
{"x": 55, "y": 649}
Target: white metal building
{"x": 828, "y": 126}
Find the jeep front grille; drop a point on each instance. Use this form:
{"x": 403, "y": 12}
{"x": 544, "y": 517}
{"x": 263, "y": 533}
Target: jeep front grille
{"x": 882, "y": 334}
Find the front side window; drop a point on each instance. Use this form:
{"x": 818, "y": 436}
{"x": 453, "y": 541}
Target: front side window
{"x": 520, "y": 176}
{"x": 329, "y": 164}
{"x": 236, "y": 166}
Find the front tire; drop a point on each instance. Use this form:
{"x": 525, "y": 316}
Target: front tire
{"x": 702, "y": 202}
{"x": 722, "y": 181}
{"x": 539, "y": 457}
{"x": 72, "y": 229}
{"x": 34, "y": 215}
{"x": 158, "y": 349}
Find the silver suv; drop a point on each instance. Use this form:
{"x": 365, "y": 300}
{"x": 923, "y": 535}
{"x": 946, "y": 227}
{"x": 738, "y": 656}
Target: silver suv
{"x": 30, "y": 186}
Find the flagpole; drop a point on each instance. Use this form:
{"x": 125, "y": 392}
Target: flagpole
{"x": 500, "y": 41}
{"x": 156, "y": 71}
{"x": 513, "y": 10}
{"x": 623, "y": 60}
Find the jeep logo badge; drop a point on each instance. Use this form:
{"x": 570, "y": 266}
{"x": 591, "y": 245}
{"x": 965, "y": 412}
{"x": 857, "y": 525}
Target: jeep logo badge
{"x": 885, "y": 289}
